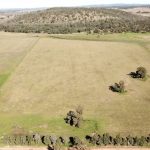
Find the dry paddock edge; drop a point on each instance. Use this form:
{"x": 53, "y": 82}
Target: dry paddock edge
{"x": 92, "y": 148}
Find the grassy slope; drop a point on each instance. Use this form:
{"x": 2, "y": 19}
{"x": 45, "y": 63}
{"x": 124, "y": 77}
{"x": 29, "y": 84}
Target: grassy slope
{"x": 71, "y": 72}
{"x": 116, "y": 37}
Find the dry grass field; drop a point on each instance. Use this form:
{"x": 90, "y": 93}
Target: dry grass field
{"x": 56, "y": 75}
{"x": 13, "y": 48}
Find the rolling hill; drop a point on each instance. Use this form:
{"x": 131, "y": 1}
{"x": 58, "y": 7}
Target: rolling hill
{"x": 70, "y": 20}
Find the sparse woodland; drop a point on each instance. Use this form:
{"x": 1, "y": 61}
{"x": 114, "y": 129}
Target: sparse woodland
{"x": 72, "y": 20}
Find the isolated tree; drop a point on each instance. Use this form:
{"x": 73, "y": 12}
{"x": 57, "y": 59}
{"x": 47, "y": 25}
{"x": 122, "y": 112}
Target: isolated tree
{"x": 140, "y": 73}
{"x": 74, "y": 118}
{"x": 118, "y": 87}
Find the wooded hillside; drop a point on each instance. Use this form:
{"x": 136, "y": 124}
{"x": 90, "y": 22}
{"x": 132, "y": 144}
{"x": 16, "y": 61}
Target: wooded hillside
{"x": 70, "y": 20}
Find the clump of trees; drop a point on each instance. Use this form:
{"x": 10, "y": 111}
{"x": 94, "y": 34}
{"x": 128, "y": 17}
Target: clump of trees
{"x": 141, "y": 72}
{"x": 118, "y": 87}
{"x": 106, "y": 139}
{"x": 74, "y": 118}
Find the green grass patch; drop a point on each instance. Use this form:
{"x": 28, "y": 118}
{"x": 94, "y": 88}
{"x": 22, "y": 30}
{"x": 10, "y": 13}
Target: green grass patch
{"x": 46, "y": 125}
{"x": 3, "y": 78}
{"x": 114, "y": 37}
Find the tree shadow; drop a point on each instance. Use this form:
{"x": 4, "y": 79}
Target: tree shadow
{"x": 134, "y": 75}
{"x": 113, "y": 88}
{"x": 50, "y": 147}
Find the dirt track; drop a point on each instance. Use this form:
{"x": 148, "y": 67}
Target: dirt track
{"x": 44, "y": 148}
{"x": 23, "y": 148}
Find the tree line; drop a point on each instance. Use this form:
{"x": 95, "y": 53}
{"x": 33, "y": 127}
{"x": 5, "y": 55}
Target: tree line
{"x": 94, "y": 139}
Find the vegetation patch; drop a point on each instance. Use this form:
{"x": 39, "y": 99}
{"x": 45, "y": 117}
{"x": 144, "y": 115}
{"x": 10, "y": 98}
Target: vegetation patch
{"x": 14, "y": 124}
{"x": 3, "y": 78}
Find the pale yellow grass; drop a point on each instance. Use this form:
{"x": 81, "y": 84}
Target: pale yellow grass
{"x": 13, "y": 47}
{"x": 57, "y": 75}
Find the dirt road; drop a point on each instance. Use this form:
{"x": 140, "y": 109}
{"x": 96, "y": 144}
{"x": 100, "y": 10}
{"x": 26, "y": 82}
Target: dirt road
{"x": 24, "y": 148}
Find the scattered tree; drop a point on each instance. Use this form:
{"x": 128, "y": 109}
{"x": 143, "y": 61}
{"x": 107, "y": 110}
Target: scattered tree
{"x": 74, "y": 118}
{"x": 118, "y": 87}
{"x": 140, "y": 73}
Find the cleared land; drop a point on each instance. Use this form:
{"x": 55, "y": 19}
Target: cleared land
{"x": 57, "y": 75}
{"x": 144, "y": 11}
